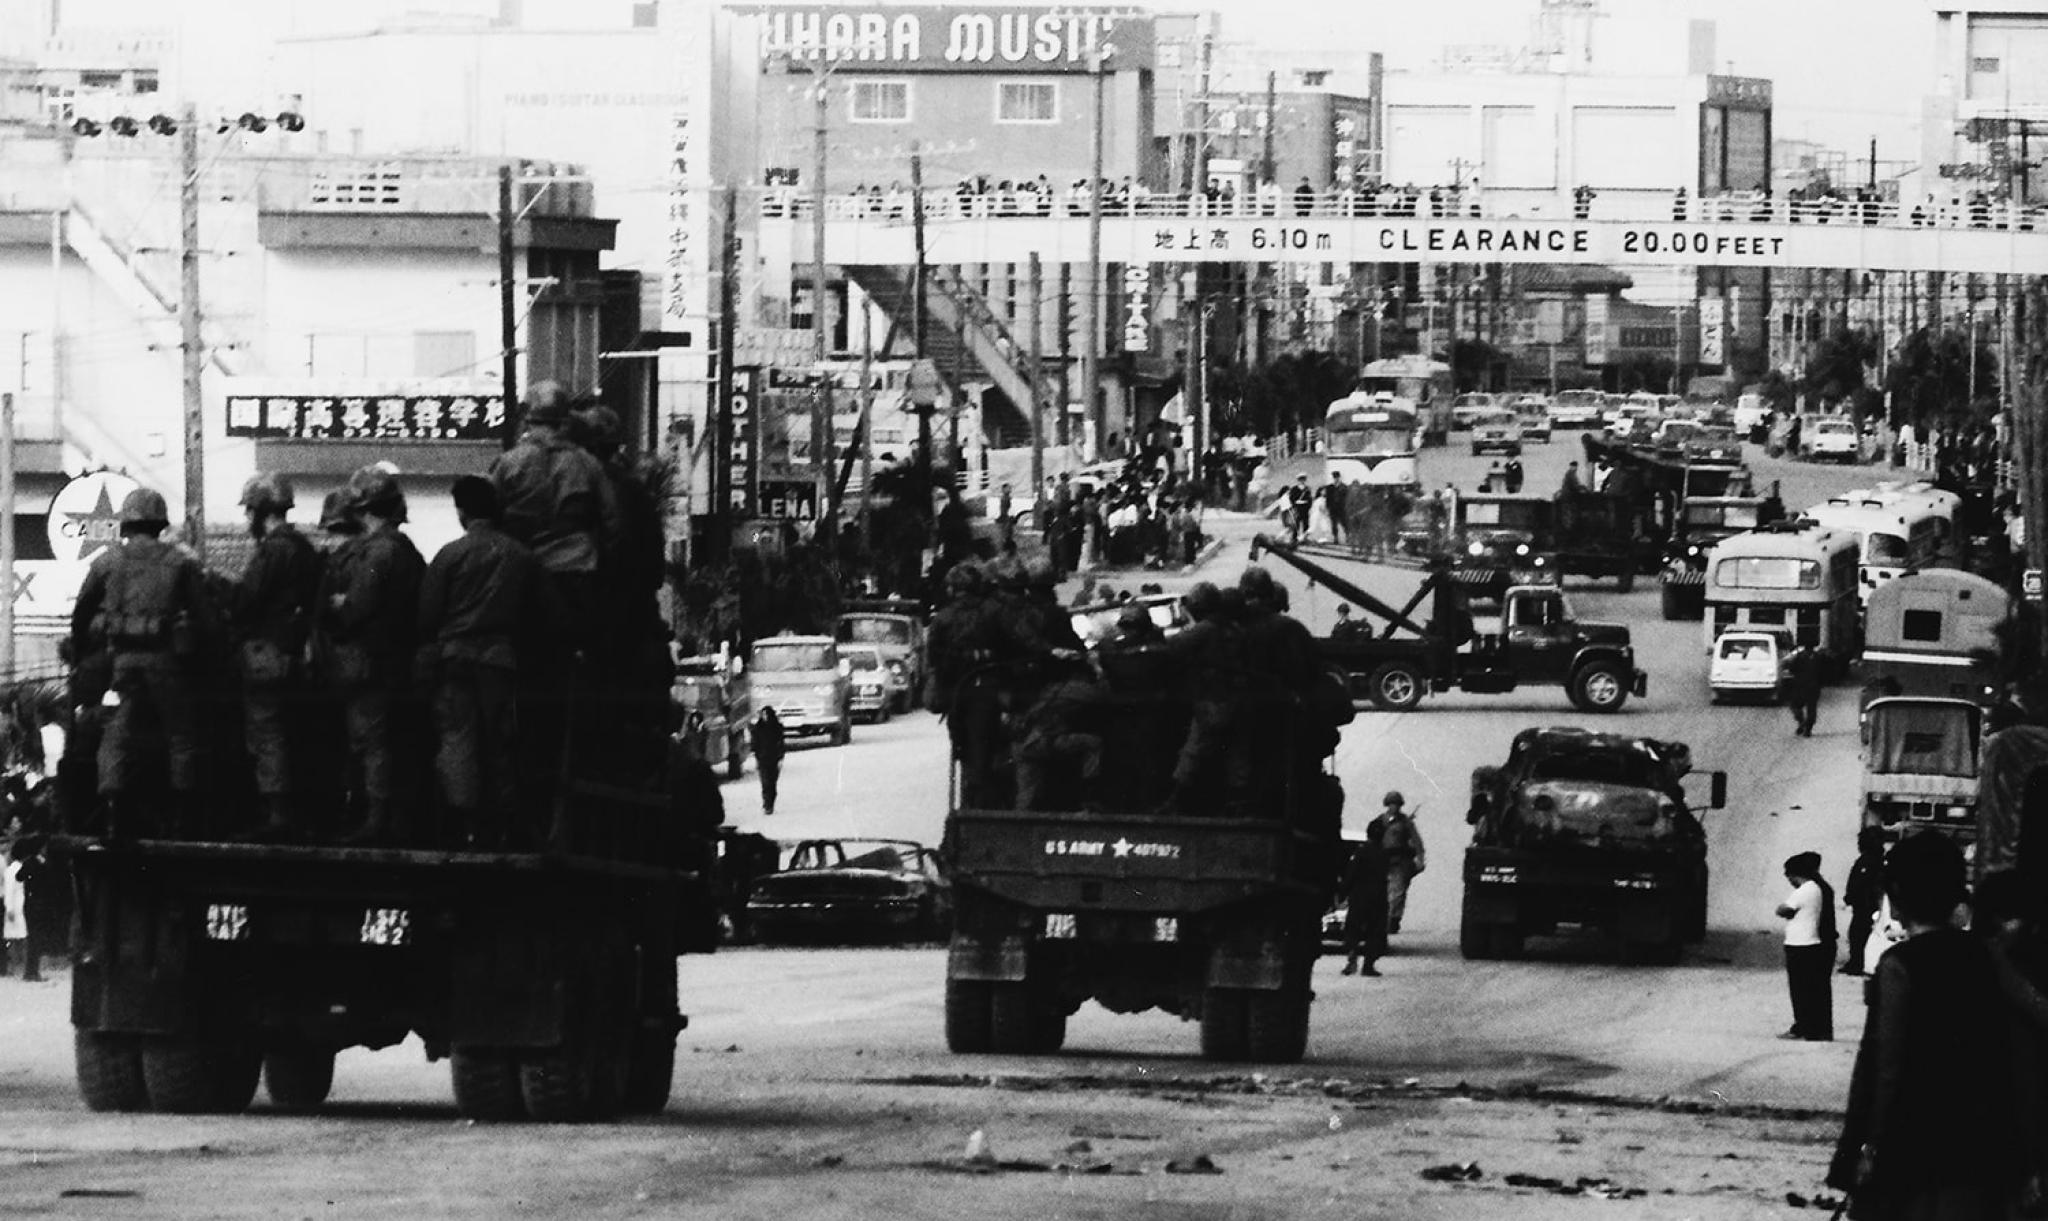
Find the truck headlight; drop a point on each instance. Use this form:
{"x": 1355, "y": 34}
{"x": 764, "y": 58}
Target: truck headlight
{"x": 1957, "y": 812}
{"x": 1521, "y": 548}
{"x": 1476, "y": 549}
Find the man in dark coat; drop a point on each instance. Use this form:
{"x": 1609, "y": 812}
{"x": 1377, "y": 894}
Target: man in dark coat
{"x": 273, "y": 618}
{"x": 770, "y": 744}
{"x": 1365, "y": 916}
{"x": 1802, "y": 689}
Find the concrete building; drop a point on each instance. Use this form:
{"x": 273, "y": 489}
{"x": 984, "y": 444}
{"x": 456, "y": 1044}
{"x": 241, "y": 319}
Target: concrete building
{"x": 1984, "y": 120}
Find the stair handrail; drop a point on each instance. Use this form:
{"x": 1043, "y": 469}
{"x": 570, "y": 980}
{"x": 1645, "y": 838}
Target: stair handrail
{"x": 975, "y": 308}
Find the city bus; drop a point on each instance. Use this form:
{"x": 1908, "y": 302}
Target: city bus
{"x": 1799, "y": 576}
{"x": 1934, "y": 633}
{"x": 1371, "y": 439}
{"x": 1416, "y": 383}
{"x": 1899, "y": 528}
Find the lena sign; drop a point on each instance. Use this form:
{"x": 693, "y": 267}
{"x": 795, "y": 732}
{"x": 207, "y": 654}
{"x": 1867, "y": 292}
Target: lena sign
{"x": 918, "y": 39}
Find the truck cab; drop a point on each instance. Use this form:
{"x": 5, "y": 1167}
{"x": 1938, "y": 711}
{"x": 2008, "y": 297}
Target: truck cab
{"x": 1546, "y": 644}
{"x": 806, "y": 682}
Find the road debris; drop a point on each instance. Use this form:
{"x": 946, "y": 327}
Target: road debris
{"x": 1200, "y": 1163}
{"x": 1453, "y": 1172}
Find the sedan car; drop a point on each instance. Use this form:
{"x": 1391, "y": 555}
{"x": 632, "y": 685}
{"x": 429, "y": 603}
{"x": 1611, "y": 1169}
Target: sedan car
{"x": 842, "y": 890}
{"x": 1534, "y": 421}
{"x": 1497, "y": 432}
{"x": 868, "y": 675}
{"x": 1748, "y": 664}
{"x": 1576, "y": 409}
{"x": 1831, "y": 438}
{"x": 1468, "y": 407}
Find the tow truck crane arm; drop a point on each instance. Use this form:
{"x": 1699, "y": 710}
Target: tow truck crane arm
{"x": 1289, "y": 554}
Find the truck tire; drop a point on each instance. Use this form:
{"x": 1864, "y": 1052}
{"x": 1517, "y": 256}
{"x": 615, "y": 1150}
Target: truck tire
{"x": 1276, "y": 1024}
{"x": 1224, "y": 1021}
{"x": 109, "y": 1071}
{"x": 486, "y": 1081}
{"x": 1396, "y": 686}
{"x": 1599, "y": 686}
{"x": 298, "y": 1078}
{"x": 558, "y": 1085}
{"x": 1475, "y": 940}
{"x": 1668, "y": 603}
{"x": 187, "y": 1077}
{"x": 651, "y": 1074}
{"x": 1626, "y": 578}
{"x": 967, "y": 1016}
{"x": 1015, "y": 1023}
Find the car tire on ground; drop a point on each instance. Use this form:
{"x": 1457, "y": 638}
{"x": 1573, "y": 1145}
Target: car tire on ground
{"x": 1599, "y": 686}
{"x": 109, "y": 1070}
{"x": 1396, "y": 686}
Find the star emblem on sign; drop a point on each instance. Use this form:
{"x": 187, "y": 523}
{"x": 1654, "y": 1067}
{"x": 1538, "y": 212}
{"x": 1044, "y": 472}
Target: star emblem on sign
{"x": 1122, "y": 847}
{"x": 97, "y": 527}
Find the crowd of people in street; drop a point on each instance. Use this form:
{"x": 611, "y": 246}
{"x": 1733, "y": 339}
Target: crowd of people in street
{"x": 1363, "y": 516}
{"x": 1143, "y": 518}
{"x": 535, "y": 631}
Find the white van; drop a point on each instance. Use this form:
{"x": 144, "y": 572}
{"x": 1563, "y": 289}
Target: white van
{"x": 1748, "y": 664}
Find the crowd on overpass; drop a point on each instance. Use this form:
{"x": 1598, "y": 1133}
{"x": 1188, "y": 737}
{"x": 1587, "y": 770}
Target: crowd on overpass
{"x": 982, "y": 196}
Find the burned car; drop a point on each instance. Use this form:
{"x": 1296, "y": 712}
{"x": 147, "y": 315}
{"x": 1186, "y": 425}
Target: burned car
{"x": 847, "y": 890}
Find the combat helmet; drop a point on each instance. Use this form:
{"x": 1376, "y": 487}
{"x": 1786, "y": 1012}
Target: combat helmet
{"x": 375, "y": 489}
{"x": 598, "y": 428}
{"x": 1203, "y": 599}
{"x": 337, "y": 513}
{"x": 547, "y": 403}
{"x": 964, "y": 577}
{"x": 267, "y": 493}
{"x": 143, "y": 507}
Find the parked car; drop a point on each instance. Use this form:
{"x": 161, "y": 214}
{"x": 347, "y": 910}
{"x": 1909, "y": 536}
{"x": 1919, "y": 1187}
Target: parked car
{"x": 1576, "y": 409}
{"x": 1830, "y": 438}
{"x": 840, "y": 890}
{"x": 869, "y": 677}
{"x": 897, "y": 630}
{"x": 804, "y": 680}
{"x": 1751, "y": 413}
{"x": 1533, "y": 418}
{"x": 1748, "y": 664}
{"x": 1497, "y": 432}
{"x": 713, "y": 700}
{"x": 1469, "y": 407}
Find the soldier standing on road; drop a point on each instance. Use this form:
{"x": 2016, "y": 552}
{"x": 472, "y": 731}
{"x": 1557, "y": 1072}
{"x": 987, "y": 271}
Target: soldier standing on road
{"x": 144, "y": 601}
{"x": 479, "y": 597}
{"x": 770, "y": 744}
{"x": 1401, "y": 840}
{"x": 959, "y": 643}
{"x": 1802, "y": 689}
{"x": 1809, "y": 915}
{"x": 370, "y": 611}
{"x": 1300, "y": 498}
{"x": 1337, "y": 502}
{"x": 273, "y": 618}
{"x": 1365, "y": 914}
{"x": 1864, "y": 894}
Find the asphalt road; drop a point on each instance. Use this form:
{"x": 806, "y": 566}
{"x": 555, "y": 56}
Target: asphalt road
{"x": 815, "y": 1083}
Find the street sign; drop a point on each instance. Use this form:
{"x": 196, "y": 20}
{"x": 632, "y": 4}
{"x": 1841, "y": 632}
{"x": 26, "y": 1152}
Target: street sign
{"x": 789, "y": 499}
{"x": 2030, "y": 584}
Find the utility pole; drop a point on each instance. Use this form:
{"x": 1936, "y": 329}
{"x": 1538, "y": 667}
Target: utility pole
{"x": 194, "y": 362}
{"x": 7, "y": 535}
{"x": 508, "y": 316}
{"x": 1266, "y": 165}
{"x": 1091, "y": 298}
{"x": 821, "y": 403}
{"x": 1035, "y": 307}
{"x": 917, "y": 288}
{"x": 1198, "y": 156}
{"x": 862, "y": 436}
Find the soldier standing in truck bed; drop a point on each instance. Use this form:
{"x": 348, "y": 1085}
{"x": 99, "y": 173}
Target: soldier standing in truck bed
{"x": 143, "y": 601}
{"x": 961, "y": 641}
{"x": 481, "y": 595}
{"x": 369, "y": 615}
{"x": 271, "y": 620}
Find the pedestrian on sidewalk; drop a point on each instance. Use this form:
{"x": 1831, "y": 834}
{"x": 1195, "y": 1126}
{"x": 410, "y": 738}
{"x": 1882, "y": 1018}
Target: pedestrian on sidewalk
{"x": 1809, "y": 915}
{"x": 1401, "y": 840}
{"x": 770, "y": 744}
{"x": 1863, "y": 894}
{"x": 1365, "y": 915}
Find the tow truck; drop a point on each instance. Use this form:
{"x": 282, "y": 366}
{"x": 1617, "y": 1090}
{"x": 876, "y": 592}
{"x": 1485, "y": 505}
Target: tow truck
{"x": 1540, "y": 643}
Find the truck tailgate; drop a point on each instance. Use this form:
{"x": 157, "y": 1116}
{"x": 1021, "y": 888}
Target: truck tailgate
{"x": 1123, "y": 862}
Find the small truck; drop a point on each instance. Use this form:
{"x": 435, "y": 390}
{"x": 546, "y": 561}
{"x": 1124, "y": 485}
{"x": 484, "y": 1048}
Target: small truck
{"x": 1587, "y": 829}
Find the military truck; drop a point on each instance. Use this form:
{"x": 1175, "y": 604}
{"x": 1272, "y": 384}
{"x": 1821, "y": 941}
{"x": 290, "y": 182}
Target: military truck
{"x": 1586, "y": 829}
{"x": 1540, "y": 644}
{"x": 1210, "y": 914}
{"x": 1500, "y": 540}
{"x": 1921, "y": 758}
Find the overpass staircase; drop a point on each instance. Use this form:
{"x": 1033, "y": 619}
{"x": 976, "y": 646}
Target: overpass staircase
{"x": 968, "y": 334}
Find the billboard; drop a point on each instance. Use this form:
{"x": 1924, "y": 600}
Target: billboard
{"x": 1001, "y": 38}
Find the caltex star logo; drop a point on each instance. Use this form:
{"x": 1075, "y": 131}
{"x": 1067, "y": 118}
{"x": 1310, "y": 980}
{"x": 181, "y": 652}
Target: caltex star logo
{"x": 85, "y": 517}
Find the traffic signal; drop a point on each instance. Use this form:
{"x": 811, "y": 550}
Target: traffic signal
{"x": 163, "y": 125}
{"x": 122, "y": 125}
{"x": 250, "y": 121}
{"x": 291, "y": 121}
{"x": 84, "y": 126}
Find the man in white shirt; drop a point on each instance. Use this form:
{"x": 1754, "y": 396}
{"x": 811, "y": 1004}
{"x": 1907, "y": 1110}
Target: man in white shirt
{"x": 1809, "y": 915}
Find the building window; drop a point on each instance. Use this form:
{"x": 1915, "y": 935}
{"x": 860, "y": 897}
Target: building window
{"x": 881, "y": 101}
{"x": 1027, "y": 102}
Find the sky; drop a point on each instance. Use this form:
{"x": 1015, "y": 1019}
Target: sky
{"x": 1844, "y": 70}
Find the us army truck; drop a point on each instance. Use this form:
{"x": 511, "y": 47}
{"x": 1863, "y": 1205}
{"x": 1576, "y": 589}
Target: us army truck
{"x": 1107, "y": 893}
{"x": 1591, "y": 830}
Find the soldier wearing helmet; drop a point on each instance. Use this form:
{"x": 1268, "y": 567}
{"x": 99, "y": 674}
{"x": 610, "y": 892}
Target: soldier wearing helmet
{"x": 632, "y": 639}
{"x": 369, "y": 612}
{"x": 144, "y": 600}
{"x": 1212, "y": 649}
{"x": 272, "y": 620}
{"x": 338, "y": 515}
{"x": 1401, "y": 841}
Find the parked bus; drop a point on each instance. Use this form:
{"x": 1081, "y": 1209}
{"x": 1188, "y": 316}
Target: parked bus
{"x": 1934, "y": 633}
{"x": 1800, "y": 576}
{"x": 1899, "y": 528}
{"x": 1371, "y": 439}
{"x": 1416, "y": 383}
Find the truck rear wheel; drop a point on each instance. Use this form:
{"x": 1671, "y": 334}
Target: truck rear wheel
{"x": 967, "y": 1016}
{"x": 1224, "y": 1022}
{"x": 109, "y": 1071}
{"x": 1599, "y": 687}
{"x": 1396, "y": 686}
{"x": 1276, "y": 1024}
{"x": 298, "y": 1078}
{"x": 187, "y": 1077}
{"x": 651, "y": 1074}
{"x": 559, "y": 1084}
{"x": 1013, "y": 1019}
{"x": 486, "y": 1083}
{"x": 1475, "y": 940}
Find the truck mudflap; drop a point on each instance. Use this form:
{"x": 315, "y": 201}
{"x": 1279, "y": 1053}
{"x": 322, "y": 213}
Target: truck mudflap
{"x": 1639, "y": 683}
{"x": 993, "y": 959}
{"x": 1254, "y": 957}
